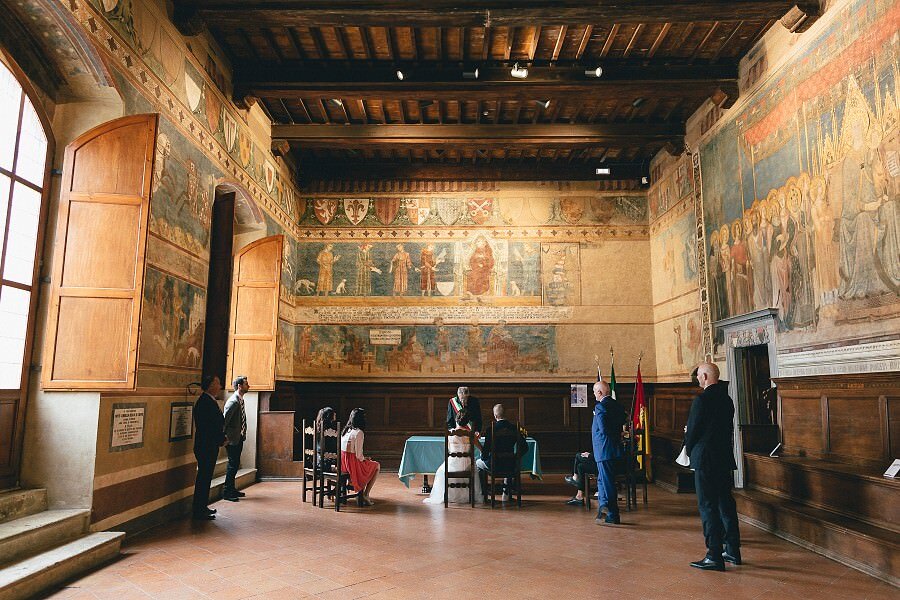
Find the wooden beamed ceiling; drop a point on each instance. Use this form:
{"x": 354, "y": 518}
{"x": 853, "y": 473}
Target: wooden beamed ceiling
{"x": 326, "y": 74}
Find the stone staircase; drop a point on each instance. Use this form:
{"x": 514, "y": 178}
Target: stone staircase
{"x": 40, "y": 548}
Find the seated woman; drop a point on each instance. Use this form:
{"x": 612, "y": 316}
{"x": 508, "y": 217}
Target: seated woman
{"x": 456, "y": 444}
{"x": 326, "y": 420}
{"x": 362, "y": 470}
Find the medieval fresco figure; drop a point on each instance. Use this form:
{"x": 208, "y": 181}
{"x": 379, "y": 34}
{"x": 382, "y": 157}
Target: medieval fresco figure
{"x": 400, "y": 266}
{"x": 501, "y": 348}
{"x": 473, "y": 345}
{"x": 758, "y": 248}
{"x": 861, "y": 200}
{"x": 305, "y": 344}
{"x": 718, "y": 297}
{"x": 679, "y": 350}
{"x": 781, "y": 279}
{"x": 741, "y": 277}
{"x": 481, "y": 267}
{"x": 727, "y": 273}
{"x": 826, "y": 252}
{"x": 427, "y": 269}
{"x": 365, "y": 266}
{"x": 326, "y": 259}
{"x": 803, "y": 298}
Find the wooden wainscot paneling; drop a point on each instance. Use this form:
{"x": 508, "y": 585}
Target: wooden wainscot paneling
{"x": 844, "y": 418}
{"x": 98, "y": 263}
{"x": 670, "y": 404}
{"x": 277, "y": 441}
{"x": 395, "y": 412}
{"x": 254, "y": 312}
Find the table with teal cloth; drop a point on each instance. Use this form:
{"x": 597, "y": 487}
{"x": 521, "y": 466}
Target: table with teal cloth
{"x": 423, "y": 454}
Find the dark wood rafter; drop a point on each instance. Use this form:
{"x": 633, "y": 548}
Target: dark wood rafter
{"x": 659, "y": 40}
{"x": 610, "y": 40}
{"x": 634, "y": 37}
{"x": 727, "y": 43}
{"x": 709, "y": 34}
{"x": 583, "y": 44}
{"x": 560, "y": 40}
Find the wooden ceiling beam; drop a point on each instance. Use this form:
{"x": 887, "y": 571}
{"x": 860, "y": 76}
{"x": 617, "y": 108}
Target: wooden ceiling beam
{"x": 496, "y": 13}
{"x": 659, "y": 40}
{"x": 560, "y": 40}
{"x": 320, "y": 170}
{"x": 575, "y": 135}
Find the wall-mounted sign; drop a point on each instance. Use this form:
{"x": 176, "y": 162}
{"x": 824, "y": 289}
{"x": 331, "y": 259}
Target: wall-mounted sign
{"x": 579, "y": 395}
{"x": 384, "y": 337}
{"x": 180, "y": 420}
{"x": 127, "y": 426}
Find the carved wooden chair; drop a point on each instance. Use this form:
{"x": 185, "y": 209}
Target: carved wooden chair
{"x": 506, "y": 459}
{"x": 468, "y": 475}
{"x": 336, "y": 483}
{"x": 311, "y": 471}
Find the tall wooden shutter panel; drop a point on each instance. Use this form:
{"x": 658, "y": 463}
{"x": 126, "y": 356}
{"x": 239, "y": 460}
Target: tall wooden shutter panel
{"x": 98, "y": 265}
{"x": 254, "y": 312}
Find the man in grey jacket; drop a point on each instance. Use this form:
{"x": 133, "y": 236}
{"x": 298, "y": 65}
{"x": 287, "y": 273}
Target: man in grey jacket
{"x": 235, "y": 434}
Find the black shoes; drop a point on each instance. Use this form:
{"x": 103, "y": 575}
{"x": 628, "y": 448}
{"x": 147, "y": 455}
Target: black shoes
{"x": 708, "y": 564}
{"x": 240, "y": 494}
{"x": 203, "y": 517}
{"x": 210, "y": 511}
{"x": 572, "y": 481}
{"x": 609, "y": 520}
{"x": 231, "y": 497}
{"x": 575, "y": 501}
{"x": 732, "y": 557}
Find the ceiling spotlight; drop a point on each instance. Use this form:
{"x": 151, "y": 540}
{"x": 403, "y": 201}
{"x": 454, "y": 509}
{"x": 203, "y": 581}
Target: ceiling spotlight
{"x": 638, "y": 101}
{"x": 519, "y": 72}
{"x": 400, "y": 75}
{"x": 336, "y": 101}
{"x": 473, "y": 74}
{"x": 543, "y": 103}
{"x": 645, "y": 180}
{"x": 602, "y": 171}
{"x": 593, "y": 72}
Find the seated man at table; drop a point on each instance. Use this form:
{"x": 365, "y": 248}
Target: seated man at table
{"x": 584, "y": 465}
{"x": 489, "y": 447}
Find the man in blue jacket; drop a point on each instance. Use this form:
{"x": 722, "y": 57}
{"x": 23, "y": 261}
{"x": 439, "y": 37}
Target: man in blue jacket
{"x": 606, "y": 435}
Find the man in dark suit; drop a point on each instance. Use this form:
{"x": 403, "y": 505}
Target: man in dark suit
{"x": 208, "y": 437}
{"x": 470, "y": 403}
{"x": 708, "y": 441}
{"x": 490, "y": 446}
{"x": 606, "y": 436}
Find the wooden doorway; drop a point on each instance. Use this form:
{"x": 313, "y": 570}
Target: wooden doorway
{"x": 755, "y": 397}
{"x": 218, "y": 289}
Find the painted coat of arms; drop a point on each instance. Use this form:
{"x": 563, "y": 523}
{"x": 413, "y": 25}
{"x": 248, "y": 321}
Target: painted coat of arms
{"x": 512, "y": 210}
{"x": 450, "y": 210}
{"x": 325, "y": 209}
{"x": 480, "y": 209}
{"x": 571, "y": 209}
{"x": 387, "y": 209}
{"x": 269, "y": 174}
{"x": 356, "y": 209}
{"x": 418, "y": 210}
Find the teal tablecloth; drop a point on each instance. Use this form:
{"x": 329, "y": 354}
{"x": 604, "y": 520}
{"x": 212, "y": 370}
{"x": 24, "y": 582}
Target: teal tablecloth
{"x": 423, "y": 454}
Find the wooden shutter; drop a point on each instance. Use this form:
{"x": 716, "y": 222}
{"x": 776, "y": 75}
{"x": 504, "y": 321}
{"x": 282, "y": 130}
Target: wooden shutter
{"x": 98, "y": 264}
{"x": 254, "y": 313}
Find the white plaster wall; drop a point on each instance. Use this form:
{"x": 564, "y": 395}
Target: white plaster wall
{"x": 60, "y": 445}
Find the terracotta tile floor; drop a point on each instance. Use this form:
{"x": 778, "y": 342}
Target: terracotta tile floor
{"x": 270, "y": 545}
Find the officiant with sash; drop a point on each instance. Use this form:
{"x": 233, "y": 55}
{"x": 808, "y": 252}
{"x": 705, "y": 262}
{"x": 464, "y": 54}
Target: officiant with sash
{"x": 461, "y": 401}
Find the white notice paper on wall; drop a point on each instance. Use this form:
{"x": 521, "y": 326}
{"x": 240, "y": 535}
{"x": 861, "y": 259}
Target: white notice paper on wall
{"x": 893, "y": 469}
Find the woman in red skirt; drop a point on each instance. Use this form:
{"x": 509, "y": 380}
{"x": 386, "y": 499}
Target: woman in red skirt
{"x": 362, "y": 470}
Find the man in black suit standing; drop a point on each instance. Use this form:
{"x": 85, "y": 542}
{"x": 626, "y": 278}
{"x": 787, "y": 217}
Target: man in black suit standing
{"x": 208, "y": 437}
{"x": 606, "y": 437}
{"x": 708, "y": 442}
{"x": 470, "y": 403}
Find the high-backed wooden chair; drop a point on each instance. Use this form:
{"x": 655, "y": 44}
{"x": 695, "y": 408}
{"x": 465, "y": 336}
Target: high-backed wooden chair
{"x": 336, "y": 483}
{"x": 311, "y": 471}
{"x": 506, "y": 459}
{"x": 468, "y": 475}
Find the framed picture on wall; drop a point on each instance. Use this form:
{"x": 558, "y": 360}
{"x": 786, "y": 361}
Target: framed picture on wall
{"x": 181, "y": 418}
{"x": 579, "y": 395}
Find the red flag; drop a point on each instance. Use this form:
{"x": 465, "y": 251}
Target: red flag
{"x": 639, "y": 402}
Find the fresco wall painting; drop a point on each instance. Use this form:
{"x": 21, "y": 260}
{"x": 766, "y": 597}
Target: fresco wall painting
{"x": 802, "y": 188}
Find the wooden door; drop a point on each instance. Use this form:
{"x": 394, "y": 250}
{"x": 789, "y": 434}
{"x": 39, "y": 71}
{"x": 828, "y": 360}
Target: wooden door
{"x": 98, "y": 264}
{"x": 254, "y": 313}
{"x": 218, "y": 289}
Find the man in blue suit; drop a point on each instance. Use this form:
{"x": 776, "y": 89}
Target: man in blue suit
{"x": 606, "y": 435}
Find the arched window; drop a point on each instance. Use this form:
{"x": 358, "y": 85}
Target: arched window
{"x": 23, "y": 166}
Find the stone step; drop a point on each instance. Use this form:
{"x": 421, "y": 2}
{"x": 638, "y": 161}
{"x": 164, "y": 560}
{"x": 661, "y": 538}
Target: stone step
{"x": 870, "y": 549}
{"x": 219, "y": 469}
{"x": 244, "y": 478}
{"x": 32, "y": 534}
{"x": 21, "y": 503}
{"x": 29, "y": 577}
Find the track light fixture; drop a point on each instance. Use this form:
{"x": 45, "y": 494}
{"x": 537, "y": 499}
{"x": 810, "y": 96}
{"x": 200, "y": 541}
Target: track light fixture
{"x": 602, "y": 171}
{"x": 638, "y": 102}
{"x": 594, "y": 72}
{"x": 518, "y": 72}
{"x": 336, "y": 101}
{"x": 400, "y": 75}
{"x": 471, "y": 74}
{"x": 543, "y": 103}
